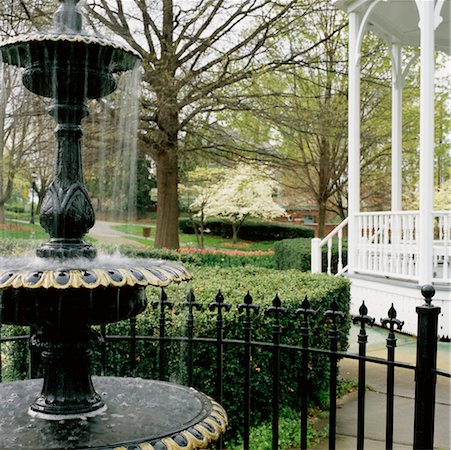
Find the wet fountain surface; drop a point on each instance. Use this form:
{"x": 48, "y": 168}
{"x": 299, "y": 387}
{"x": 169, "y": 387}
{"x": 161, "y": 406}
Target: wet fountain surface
{"x": 137, "y": 413}
{"x": 66, "y": 288}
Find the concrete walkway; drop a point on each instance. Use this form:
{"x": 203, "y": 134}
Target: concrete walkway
{"x": 376, "y": 376}
{"x": 102, "y": 231}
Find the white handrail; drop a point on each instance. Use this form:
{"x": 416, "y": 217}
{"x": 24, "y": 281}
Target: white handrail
{"x": 317, "y": 244}
{"x": 334, "y": 231}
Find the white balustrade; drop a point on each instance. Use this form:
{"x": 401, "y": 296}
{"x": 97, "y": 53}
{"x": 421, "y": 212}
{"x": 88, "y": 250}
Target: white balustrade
{"x": 387, "y": 245}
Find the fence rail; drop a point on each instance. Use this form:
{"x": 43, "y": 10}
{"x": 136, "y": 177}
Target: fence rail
{"x": 425, "y": 370}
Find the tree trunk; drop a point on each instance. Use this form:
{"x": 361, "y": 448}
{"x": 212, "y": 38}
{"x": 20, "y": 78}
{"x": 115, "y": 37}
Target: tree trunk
{"x": 167, "y": 234}
{"x": 321, "y": 219}
{"x": 235, "y": 229}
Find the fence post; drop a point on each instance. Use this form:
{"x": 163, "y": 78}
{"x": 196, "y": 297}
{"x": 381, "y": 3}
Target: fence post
{"x": 306, "y": 312}
{"x": 219, "y": 305}
{"x": 161, "y": 304}
{"x": 276, "y": 310}
{"x": 333, "y": 315}
{"x": 316, "y": 260}
{"x": 364, "y": 319}
{"x": 391, "y": 321}
{"x": 190, "y": 304}
{"x": 425, "y": 376}
{"x": 247, "y": 307}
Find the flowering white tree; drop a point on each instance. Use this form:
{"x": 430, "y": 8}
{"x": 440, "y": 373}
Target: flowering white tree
{"x": 201, "y": 183}
{"x": 244, "y": 192}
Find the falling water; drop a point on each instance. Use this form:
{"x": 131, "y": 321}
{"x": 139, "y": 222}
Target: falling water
{"x": 113, "y": 133}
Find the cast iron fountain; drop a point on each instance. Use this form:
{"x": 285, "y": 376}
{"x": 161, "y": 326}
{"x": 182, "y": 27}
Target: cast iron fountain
{"x": 67, "y": 288}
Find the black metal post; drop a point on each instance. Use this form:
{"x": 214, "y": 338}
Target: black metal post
{"x": 34, "y": 356}
{"x": 392, "y": 321}
{"x": 248, "y": 307}
{"x": 219, "y": 305}
{"x": 162, "y": 304}
{"x": 425, "y": 377}
{"x": 103, "y": 348}
{"x": 1, "y": 368}
{"x": 33, "y": 189}
{"x": 306, "y": 312}
{"x": 190, "y": 304}
{"x": 133, "y": 346}
{"x": 364, "y": 319}
{"x": 333, "y": 314}
{"x": 276, "y": 310}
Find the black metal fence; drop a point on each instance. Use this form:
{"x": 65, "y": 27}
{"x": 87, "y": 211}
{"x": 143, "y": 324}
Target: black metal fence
{"x": 425, "y": 369}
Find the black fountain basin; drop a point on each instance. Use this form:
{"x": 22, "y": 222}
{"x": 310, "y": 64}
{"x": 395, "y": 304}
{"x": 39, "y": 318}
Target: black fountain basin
{"x": 54, "y": 308}
{"x": 141, "y": 414}
{"x": 47, "y": 292}
{"x": 59, "y": 65}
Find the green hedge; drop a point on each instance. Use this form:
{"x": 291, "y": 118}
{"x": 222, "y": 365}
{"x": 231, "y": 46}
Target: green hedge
{"x": 263, "y": 284}
{"x": 296, "y": 254}
{"x": 251, "y": 230}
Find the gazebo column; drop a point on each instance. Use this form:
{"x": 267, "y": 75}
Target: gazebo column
{"x": 427, "y": 60}
{"x": 396, "y": 145}
{"x": 353, "y": 139}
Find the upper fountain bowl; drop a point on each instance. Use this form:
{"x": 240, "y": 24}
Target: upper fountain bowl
{"x": 61, "y": 65}
{"x": 66, "y": 63}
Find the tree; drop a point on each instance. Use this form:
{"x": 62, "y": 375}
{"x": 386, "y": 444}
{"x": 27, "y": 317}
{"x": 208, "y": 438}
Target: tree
{"x": 244, "y": 192}
{"x": 24, "y": 126}
{"x": 192, "y": 51}
{"x": 199, "y": 186}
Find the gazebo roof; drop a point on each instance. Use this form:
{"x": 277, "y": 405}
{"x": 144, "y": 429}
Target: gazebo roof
{"x": 396, "y": 21}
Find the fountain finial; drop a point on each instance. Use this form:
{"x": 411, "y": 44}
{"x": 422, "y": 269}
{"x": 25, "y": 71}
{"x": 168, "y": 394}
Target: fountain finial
{"x": 68, "y": 18}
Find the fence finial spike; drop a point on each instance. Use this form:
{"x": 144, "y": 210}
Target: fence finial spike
{"x": 219, "y": 297}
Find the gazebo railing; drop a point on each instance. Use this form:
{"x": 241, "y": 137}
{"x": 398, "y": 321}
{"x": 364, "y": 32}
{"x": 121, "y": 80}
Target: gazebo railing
{"x": 387, "y": 246}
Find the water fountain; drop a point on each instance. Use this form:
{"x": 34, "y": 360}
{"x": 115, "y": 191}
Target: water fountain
{"x": 67, "y": 288}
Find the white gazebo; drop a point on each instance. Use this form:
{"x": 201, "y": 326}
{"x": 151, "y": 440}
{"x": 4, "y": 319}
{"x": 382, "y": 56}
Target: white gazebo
{"x": 392, "y": 253}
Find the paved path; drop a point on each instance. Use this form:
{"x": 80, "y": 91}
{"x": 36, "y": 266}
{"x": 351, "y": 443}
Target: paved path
{"x": 103, "y": 232}
{"x": 404, "y": 397}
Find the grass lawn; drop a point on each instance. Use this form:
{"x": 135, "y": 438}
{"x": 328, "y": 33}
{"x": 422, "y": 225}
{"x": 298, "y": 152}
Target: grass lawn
{"x": 189, "y": 240}
{"x": 17, "y": 227}
{"x": 17, "y": 230}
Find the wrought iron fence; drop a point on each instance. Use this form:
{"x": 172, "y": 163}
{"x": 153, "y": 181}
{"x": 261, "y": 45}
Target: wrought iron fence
{"x": 425, "y": 369}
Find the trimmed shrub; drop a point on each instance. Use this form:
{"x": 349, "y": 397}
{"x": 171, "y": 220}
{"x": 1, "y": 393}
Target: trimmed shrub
{"x": 251, "y": 230}
{"x": 296, "y": 254}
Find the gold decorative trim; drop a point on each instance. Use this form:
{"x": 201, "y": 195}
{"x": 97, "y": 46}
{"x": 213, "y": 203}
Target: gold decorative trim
{"x": 146, "y": 273}
{"x": 206, "y": 432}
